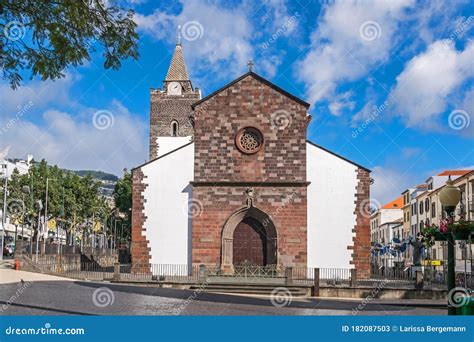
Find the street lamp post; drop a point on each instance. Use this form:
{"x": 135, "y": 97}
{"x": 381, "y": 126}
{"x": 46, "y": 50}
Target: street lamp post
{"x": 40, "y": 207}
{"x": 4, "y": 211}
{"x": 449, "y": 197}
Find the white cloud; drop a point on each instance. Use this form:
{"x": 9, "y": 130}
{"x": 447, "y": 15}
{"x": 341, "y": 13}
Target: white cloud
{"x": 341, "y": 102}
{"x": 41, "y": 93}
{"x": 74, "y": 142}
{"x": 389, "y": 183}
{"x": 467, "y": 106}
{"x": 422, "y": 89}
{"x": 226, "y": 33}
{"x": 351, "y": 37}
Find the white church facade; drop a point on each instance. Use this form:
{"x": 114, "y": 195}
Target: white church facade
{"x": 232, "y": 179}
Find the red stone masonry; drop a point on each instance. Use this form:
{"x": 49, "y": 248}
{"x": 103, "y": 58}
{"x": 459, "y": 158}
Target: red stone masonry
{"x": 139, "y": 249}
{"x": 286, "y": 206}
{"x": 361, "y": 247}
{"x": 277, "y": 172}
{"x": 250, "y": 102}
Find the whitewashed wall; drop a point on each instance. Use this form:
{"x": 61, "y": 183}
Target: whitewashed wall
{"x": 168, "y": 144}
{"x": 168, "y": 228}
{"x": 331, "y": 217}
{"x": 390, "y": 215}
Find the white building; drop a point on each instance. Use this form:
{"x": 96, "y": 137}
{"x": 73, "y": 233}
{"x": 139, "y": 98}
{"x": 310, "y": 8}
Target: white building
{"x": 226, "y": 186}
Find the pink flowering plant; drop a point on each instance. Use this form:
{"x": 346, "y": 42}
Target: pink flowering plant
{"x": 460, "y": 228}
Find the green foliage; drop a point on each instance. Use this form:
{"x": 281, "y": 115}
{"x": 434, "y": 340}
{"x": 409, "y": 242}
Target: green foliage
{"x": 123, "y": 194}
{"x": 123, "y": 201}
{"x": 48, "y": 36}
{"x": 97, "y": 175}
{"x": 72, "y": 200}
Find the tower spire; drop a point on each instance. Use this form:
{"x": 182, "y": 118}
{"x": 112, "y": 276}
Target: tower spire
{"x": 178, "y": 39}
{"x": 177, "y": 70}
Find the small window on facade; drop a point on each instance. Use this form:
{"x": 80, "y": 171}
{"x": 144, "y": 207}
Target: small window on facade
{"x": 174, "y": 129}
{"x": 421, "y": 208}
{"x": 427, "y": 204}
{"x": 433, "y": 209}
{"x": 422, "y": 225}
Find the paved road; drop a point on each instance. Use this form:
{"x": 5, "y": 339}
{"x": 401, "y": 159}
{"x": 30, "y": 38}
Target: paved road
{"x": 59, "y": 296}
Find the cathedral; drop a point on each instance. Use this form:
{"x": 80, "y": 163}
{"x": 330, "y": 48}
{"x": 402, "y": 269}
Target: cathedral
{"x": 232, "y": 179}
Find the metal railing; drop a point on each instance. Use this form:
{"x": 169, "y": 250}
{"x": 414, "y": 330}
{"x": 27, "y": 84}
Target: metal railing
{"x": 105, "y": 269}
{"x": 327, "y": 276}
{"x": 124, "y": 272}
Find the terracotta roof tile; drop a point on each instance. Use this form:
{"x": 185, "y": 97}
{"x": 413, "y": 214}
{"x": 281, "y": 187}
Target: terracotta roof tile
{"x": 454, "y": 172}
{"x": 395, "y": 204}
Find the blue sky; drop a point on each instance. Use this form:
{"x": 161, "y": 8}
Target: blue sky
{"x": 390, "y": 83}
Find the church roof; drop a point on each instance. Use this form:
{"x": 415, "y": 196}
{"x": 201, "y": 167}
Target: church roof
{"x": 259, "y": 78}
{"x": 177, "y": 70}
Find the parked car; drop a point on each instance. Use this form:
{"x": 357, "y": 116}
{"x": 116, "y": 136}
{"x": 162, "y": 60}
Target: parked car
{"x": 9, "y": 249}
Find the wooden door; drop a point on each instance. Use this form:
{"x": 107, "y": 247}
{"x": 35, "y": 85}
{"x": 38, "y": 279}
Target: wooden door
{"x": 249, "y": 243}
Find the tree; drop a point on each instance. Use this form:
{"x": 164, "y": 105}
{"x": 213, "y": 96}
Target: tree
{"x": 73, "y": 201}
{"x": 123, "y": 200}
{"x": 123, "y": 193}
{"x": 48, "y": 36}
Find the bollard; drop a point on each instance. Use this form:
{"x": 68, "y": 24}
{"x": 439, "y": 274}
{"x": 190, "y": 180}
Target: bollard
{"x": 316, "y": 283}
{"x": 289, "y": 275}
{"x": 419, "y": 280}
{"x": 116, "y": 276}
{"x": 202, "y": 274}
{"x": 353, "y": 277}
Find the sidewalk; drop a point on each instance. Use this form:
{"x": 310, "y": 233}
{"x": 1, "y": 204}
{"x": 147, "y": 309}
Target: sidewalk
{"x": 8, "y": 276}
{"x": 396, "y": 302}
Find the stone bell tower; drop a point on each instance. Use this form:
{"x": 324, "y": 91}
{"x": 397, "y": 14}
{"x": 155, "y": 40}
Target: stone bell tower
{"x": 170, "y": 107}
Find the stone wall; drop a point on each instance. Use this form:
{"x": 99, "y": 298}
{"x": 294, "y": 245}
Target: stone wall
{"x": 164, "y": 109}
{"x": 361, "y": 247}
{"x": 285, "y": 205}
{"x": 140, "y": 250}
{"x": 276, "y": 173}
{"x": 250, "y": 102}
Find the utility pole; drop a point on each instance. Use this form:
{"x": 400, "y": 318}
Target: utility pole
{"x": 4, "y": 213}
{"x": 40, "y": 207}
{"x": 46, "y": 205}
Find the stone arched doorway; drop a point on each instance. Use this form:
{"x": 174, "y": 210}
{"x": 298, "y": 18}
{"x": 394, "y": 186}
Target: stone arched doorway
{"x": 250, "y": 234}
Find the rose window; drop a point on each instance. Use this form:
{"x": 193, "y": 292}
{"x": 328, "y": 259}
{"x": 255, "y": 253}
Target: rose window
{"x": 249, "y": 140}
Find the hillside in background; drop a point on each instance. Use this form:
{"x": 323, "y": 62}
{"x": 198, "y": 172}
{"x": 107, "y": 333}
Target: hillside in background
{"x": 96, "y": 174}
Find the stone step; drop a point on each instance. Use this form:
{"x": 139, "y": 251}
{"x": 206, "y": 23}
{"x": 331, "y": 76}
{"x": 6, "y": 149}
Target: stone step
{"x": 297, "y": 291}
